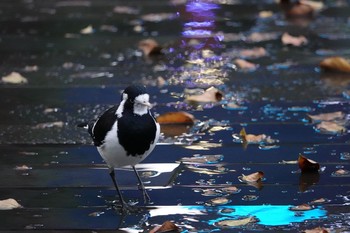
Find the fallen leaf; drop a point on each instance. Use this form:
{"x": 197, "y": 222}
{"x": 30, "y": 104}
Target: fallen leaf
{"x": 336, "y": 64}
{"x": 176, "y": 118}
{"x": 265, "y": 14}
{"x": 287, "y": 39}
{"x": 297, "y": 9}
{"x": 230, "y": 190}
{"x": 234, "y": 222}
{"x": 261, "y": 36}
{"x": 204, "y": 159}
{"x": 158, "y": 17}
{"x": 125, "y": 10}
{"x": 58, "y": 124}
{"x": 207, "y": 171}
{"x": 9, "y": 204}
{"x": 245, "y": 65}
{"x": 330, "y": 127}
{"x": 331, "y": 116}
{"x": 317, "y": 230}
{"x": 307, "y": 165}
{"x": 254, "y": 177}
{"x": 14, "y": 78}
{"x": 22, "y": 168}
{"x": 253, "y": 53}
{"x": 255, "y": 139}
{"x": 315, "y": 5}
{"x": 218, "y": 201}
{"x": 167, "y": 226}
{"x": 301, "y": 207}
{"x": 88, "y": 30}
{"x": 341, "y": 172}
{"x": 150, "y": 47}
{"x": 319, "y": 201}
{"x": 211, "y": 94}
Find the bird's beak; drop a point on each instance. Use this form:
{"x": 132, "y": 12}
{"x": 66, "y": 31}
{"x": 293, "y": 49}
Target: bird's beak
{"x": 148, "y": 104}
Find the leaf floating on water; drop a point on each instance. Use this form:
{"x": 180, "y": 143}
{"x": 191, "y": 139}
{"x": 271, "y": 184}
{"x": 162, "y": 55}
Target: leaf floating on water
{"x": 330, "y": 128}
{"x": 150, "y": 47}
{"x": 341, "y": 173}
{"x": 261, "y": 36}
{"x": 289, "y": 162}
{"x": 218, "y": 201}
{"x": 167, "y": 226}
{"x": 211, "y": 94}
{"x": 235, "y": 222}
{"x": 297, "y": 41}
{"x": 302, "y": 207}
{"x": 254, "y": 177}
{"x": 14, "y": 78}
{"x": 255, "y": 139}
{"x": 158, "y": 17}
{"x": 207, "y": 171}
{"x": 176, "y": 118}
{"x": 96, "y": 214}
{"x": 319, "y": 201}
{"x": 336, "y": 64}
{"x": 88, "y": 30}
{"x": 253, "y": 53}
{"x": 9, "y": 204}
{"x": 317, "y": 230}
{"x": 22, "y": 168}
{"x": 125, "y": 10}
{"x": 245, "y": 65}
{"x": 58, "y": 124}
{"x": 331, "y": 116}
{"x": 230, "y": 190}
{"x": 307, "y": 165}
{"x": 204, "y": 159}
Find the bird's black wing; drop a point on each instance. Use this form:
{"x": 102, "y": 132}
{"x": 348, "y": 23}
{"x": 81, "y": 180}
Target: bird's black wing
{"x": 103, "y": 125}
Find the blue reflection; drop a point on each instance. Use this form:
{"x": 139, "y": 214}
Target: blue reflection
{"x": 199, "y": 24}
{"x": 272, "y": 215}
{"x": 200, "y": 7}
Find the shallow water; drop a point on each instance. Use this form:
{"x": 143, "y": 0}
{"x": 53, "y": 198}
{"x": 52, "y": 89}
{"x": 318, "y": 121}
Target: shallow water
{"x": 78, "y": 56}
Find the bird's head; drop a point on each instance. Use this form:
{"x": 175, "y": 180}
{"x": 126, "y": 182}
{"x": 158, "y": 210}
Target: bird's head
{"x": 135, "y": 98}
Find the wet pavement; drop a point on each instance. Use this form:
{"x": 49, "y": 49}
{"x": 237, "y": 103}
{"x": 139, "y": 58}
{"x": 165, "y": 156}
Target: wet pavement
{"x": 75, "y": 57}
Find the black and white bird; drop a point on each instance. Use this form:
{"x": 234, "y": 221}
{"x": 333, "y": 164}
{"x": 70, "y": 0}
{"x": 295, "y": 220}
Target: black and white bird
{"x": 126, "y": 134}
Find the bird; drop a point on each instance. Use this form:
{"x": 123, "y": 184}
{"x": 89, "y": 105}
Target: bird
{"x": 125, "y": 135}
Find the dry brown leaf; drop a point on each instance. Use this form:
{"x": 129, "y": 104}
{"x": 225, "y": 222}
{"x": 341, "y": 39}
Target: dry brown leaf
{"x": 341, "y": 172}
{"x": 87, "y": 30}
{"x": 211, "y": 94}
{"x": 218, "y": 201}
{"x": 307, "y": 165}
{"x": 297, "y": 9}
{"x": 9, "y": 204}
{"x": 335, "y": 64}
{"x": 287, "y": 39}
{"x": 234, "y": 222}
{"x": 255, "y": 139}
{"x": 331, "y": 116}
{"x": 14, "y": 78}
{"x": 58, "y": 124}
{"x": 301, "y": 207}
{"x": 330, "y": 127}
{"x": 176, "y": 118}
{"x": 204, "y": 159}
{"x": 315, "y": 5}
{"x": 167, "y": 226}
{"x": 261, "y": 36}
{"x": 150, "y": 47}
{"x": 253, "y": 53}
{"x": 317, "y": 230}
{"x": 254, "y": 177}
{"x": 265, "y": 14}
{"x": 245, "y": 65}
{"x": 206, "y": 171}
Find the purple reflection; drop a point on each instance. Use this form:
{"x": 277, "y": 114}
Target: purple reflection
{"x": 199, "y": 24}
{"x": 198, "y": 33}
{"x": 199, "y": 7}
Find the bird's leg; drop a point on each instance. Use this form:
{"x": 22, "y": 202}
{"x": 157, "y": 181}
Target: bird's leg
{"x": 125, "y": 206}
{"x": 146, "y": 197}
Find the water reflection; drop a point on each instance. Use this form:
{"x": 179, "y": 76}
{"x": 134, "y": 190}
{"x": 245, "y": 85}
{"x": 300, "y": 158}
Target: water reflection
{"x": 268, "y": 215}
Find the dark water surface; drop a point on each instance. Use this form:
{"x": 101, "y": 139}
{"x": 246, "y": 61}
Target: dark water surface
{"x": 77, "y": 56}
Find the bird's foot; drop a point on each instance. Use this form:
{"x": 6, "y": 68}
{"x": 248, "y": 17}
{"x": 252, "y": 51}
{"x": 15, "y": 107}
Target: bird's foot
{"x": 146, "y": 197}
{"x": 126, "y": 208}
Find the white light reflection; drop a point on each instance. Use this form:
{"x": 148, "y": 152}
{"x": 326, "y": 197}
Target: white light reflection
{"x": 268, "y": 215}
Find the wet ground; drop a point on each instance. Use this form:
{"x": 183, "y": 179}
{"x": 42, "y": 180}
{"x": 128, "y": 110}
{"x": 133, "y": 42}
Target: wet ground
{"x": 75, "y": 57}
